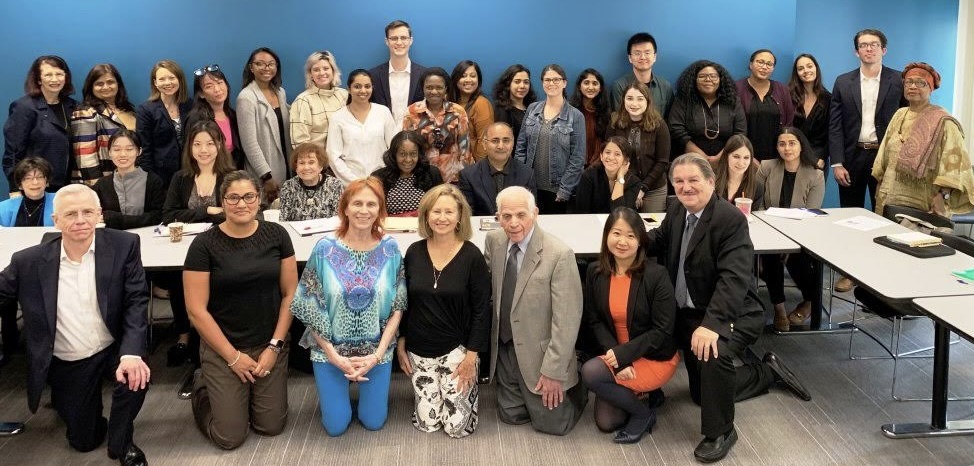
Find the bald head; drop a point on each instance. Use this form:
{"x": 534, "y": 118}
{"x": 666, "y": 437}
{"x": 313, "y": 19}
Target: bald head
{"x": 499, "y": 141}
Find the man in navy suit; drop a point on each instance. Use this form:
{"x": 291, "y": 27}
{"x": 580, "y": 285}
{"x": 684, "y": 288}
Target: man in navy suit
{"x": 395, "y": 83}
{"x": 84, "y": 299}
{"x": 863, "y": 102}
{"x": 481, "y": 181}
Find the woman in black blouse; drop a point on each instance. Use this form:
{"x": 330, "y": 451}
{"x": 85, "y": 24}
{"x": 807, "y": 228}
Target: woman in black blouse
{"x": 609, "y": 183}
{"x": 638, "y": 122}
{"x": 512, "y": 95}
{"x": 448, "y": 319}
{"x": 130, "y": 197}
{"x": 767, "y": 104}
{"x": 706, "y": 111}
{"x": 811, "y": 101}
{"x": 737, "y": 174}
{"x": 161, "y": 120}
{"x": 407, "y": 173}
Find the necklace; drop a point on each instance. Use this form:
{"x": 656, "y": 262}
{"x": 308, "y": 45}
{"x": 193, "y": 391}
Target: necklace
{"x": 310, "y": 191}
{"x": 436, "y": 277}
{"x": 706, "y": 128}
{"x": 31, "y": 213}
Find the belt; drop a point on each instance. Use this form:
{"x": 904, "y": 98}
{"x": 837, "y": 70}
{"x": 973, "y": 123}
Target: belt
{"x": 868, "y": 145}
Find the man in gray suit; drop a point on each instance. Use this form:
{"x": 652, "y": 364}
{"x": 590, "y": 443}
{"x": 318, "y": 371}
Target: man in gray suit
{"x": 537, "y": 313}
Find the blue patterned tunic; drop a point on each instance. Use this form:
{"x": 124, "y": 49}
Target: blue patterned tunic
{"x": 347, "y": 296}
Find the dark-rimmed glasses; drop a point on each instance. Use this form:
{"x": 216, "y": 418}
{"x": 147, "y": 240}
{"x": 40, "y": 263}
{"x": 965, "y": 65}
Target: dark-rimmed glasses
{"x": 234, "y": 199}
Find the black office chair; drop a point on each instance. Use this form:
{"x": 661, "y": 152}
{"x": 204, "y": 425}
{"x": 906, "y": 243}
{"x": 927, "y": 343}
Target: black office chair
{"x": 898, "y": 313}
{"x": 891, "y": 211}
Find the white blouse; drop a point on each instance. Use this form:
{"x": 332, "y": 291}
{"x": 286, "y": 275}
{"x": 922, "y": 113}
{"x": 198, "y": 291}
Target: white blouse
{"x": 355, "y": 149}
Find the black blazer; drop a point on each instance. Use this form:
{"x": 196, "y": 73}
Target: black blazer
{"x": 845, "y": 111}
{"x": 718, "y": 266}
{"x": 238, "y": 153}
{"x": 32, "y": 278}
{"x": 478, "y": 186}
{"x": 162, "y": 151}
{"x": 155, "y": 197}
{"x": 592, "y": 196}
{"x": 380, "y": 84}
{"x": 815, "y": 125}
{"x": 32, "y": 129}
{"x": 177, "y": 199}
{"x": 650, "y": 315}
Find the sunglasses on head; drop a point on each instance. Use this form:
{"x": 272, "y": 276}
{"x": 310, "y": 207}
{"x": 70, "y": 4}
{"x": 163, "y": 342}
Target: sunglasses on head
{"x": 207, "y": 69}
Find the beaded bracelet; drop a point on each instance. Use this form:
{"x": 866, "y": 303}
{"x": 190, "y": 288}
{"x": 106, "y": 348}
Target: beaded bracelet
{"x": 235, "y": 360}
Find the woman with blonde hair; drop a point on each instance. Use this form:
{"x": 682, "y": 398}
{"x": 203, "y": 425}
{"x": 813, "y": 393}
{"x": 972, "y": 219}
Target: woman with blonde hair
{"x": 313, "y": 108}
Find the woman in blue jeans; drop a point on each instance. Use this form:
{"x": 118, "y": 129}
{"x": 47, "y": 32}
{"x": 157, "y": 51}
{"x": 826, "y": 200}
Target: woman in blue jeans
{"x": 552, "y": 142}
{"x": 351, "y": 297}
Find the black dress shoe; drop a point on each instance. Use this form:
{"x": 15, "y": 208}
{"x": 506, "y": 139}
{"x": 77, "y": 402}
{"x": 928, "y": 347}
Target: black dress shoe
{"x": 655, "y": 398}
{"x": 626, "y": 438}
{"x": 715, "y": 449}
{"x": 177, "y": 355}
{"x": 133, "y": 457}
{"x": 785, "y": 376}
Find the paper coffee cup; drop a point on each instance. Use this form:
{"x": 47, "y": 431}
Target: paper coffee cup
{"x": 175, "y": 232}
{"x": 744, "y": 204}
{"x": 272, "y": 215}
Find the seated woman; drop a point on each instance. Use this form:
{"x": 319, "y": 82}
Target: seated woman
{"x": 39, "y": 123}
{"x": 465, "y": 89}
{"x": 706, "y": 111}
{"x": 211, "y": 101}
{"x": 923, "y": 161}
{"x": 161, "y": 120}
{"x": 105, "y": 109}
{"x": 736, "y": 173}
{"x": 240, "y": 278}
{"x": 767, "y": 104}
{"x": 448, "y": 318}
{"x": 791, "y": 181}
{"x": 609, "y": 183}
{"x": 312, "y": 109}
{"x": 407, "y": 174}
{"x": 637, "y": 121}
{"x": 443, "y": 124}
{"x": 351, "y": 296}
{"x": 629, "y": 305}
{"x": 512, "y": 95}
{"x": 131, "y": 197}
{"x": 811, "y": 101}
{"x": 360, "y": 132}
{"x": 33, "y": 208}
{"x": 262, "y": 116}
{"x": 313, "y": 193}
{"x": 592, "y": 98}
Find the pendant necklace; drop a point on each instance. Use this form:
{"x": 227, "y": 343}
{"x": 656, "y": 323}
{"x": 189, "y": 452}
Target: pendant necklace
{"x": 707, "y": 132}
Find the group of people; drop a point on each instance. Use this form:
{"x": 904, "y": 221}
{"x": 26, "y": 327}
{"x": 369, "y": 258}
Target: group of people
{"x": 404, "y": 140}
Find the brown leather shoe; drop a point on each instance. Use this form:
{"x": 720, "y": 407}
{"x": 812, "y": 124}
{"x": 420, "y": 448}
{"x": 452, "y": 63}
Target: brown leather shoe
{"x": 800, "y": 314}
{"x": 781, "y": 323}
{"x": 843, "y": 285}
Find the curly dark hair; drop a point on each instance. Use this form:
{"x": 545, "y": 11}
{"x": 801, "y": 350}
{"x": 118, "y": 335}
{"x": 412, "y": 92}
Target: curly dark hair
{"x": 686, "y": 85}
{"x": 502, "y": 88}
{"x": 603, "y": 108}
{"x": 422, "y": 174}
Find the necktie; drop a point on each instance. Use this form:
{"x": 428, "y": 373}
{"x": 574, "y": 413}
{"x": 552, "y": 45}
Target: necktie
{"x": 507, "y": 294}
{"x": 681, "y": 280}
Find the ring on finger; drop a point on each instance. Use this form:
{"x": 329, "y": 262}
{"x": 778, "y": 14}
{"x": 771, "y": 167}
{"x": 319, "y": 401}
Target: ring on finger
{"x": 266, "y": 373}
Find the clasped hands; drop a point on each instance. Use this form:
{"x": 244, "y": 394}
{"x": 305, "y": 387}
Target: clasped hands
{"x": 355, "y": 367}
{"x": 248, "y": 370}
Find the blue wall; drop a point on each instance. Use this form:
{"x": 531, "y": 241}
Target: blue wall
{"x": 134, "y": 35}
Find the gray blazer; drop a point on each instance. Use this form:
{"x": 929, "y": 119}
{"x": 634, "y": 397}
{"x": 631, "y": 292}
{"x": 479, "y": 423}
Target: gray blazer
{"x": 547, "y": 308}
{"x": 260, "y": 134}
{"x": 809, "y": 185}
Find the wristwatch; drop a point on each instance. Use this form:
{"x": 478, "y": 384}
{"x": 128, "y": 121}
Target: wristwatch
{"x": 945, "y": 193}
{"x": 276, "y": 345}
{"x": 621, "y": 181}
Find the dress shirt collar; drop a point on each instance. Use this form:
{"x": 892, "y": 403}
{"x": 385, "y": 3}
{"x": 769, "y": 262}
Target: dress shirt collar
{"x": 91, "y": 251}
{"x": 523, "y": 244}
{"x": 409, "y": 67}
{"x": 864, "y": 78}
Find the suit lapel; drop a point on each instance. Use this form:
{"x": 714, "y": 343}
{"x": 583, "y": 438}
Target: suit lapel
{"x": 485, "y": 180}
{"x": 530, "y": 262}
{"x": 856, "y": 88}
{"x": 104, "y": 262}
{"x": 47, "y": 274}
{"x": 700, "y": 229}
{"x": 885, "y": 83}
{"x": 634, "y": 285}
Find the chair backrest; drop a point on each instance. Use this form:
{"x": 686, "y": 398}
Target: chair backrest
{"x": 890, "y": 212}
{"x": 960, "y": 243}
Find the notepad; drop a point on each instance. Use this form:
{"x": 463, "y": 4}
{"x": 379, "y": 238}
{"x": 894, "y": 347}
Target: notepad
{"x": 796, "y": 214}
{"x": 915, "y": 239}
{"x": 401, "y": 224}
{"x": 315, "y": 226}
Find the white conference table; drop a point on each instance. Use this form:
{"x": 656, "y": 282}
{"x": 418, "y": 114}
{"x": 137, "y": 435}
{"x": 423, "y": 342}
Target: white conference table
{"x": 581, "y": 232}
{"x": 949, "y": 314}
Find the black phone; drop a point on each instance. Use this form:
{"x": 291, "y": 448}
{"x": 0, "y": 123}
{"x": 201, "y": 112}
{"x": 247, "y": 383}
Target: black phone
{"x": 649, "y": 220}
{"x": 817, "y": 211}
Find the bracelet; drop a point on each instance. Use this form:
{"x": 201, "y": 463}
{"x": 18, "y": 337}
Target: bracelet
{"x": 235, "y": 360}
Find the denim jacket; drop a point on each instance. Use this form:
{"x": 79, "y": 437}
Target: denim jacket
{"x": 567, "y": 145}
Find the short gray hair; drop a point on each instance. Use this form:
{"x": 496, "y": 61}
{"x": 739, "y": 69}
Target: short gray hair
{"x": 694, "y": 159}
{"x": 518, "y": 192}
{"x": 73, "y": 189}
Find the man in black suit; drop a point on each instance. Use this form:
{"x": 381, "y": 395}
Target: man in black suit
{"x": 863, "y": 102}
{"x": 84, "y": 300}
{"x": 481, "y": 181}
{"x": 395, "y": 83}
{"x": 705, "y": 246}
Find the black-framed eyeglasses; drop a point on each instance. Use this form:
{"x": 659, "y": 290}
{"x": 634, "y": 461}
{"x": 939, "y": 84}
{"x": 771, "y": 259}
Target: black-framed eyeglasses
{"x": 206, "y": 69}
{"x": 234, "y": 199}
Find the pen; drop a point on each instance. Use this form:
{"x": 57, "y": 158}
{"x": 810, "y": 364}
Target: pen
{"x": 158, "y": 228}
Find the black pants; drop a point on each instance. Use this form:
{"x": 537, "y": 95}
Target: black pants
{"x": 76, "y": 395}
{"x": 9, "y": 331}
{"x": 547, "y": 204}
{"x": 799, "y": 267}
{"x": 860, "y": 170}
{"x": 717, "y": 384}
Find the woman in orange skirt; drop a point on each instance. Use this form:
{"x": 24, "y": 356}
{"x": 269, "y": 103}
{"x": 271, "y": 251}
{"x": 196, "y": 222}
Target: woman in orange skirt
{"x": 629, "y": 306}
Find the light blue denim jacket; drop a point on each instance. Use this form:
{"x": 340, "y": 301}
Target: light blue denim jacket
{"x": 567, "y": 145}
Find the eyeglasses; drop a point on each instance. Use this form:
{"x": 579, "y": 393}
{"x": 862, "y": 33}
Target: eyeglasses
{"x": 207, "y": 69}
{"x": 552, "y": 80}
{"x": 708, "y": 77}
{"x": 398, "y": 38}
{"x": 870, "y": 45}
{"x": 499, "y": 141}
{"x": 919, "y": 83}
{"x": 29, "y": 178}
{"x": 260, "y": 65}
{"x": 764, "y": 63}
{"x": 234, "y": 199}
{"x": 642, "y": 53}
